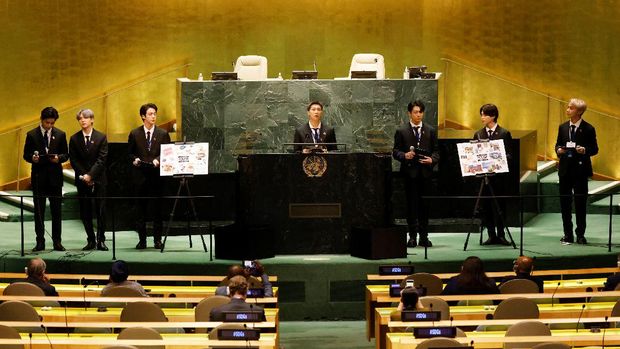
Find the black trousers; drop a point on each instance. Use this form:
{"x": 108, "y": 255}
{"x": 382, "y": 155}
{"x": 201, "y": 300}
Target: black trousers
{"x": 148, "y": 207}
{"x": 492, "y": 218}
{"x": 572, "y": 183}
{"x": 92, "y": 197}
{"x": 417, "y": 210}
{"x": 54, "y": 194}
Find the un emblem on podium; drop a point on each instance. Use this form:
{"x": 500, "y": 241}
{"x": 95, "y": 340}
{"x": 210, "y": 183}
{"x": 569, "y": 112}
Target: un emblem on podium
{"x": 314, "y": 166}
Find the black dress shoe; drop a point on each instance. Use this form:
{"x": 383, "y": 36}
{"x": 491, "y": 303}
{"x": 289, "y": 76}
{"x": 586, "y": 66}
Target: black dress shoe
{"x": 101, "y": 246}
{"x": 59, "y": 247}
{"x": 491, "y": 241}
{"x": 567, "y": 239}
{"x": 502, "y": 241}
{"x": 141, "y": 245}
{"x": 581, "y": 240}
{"x": 157, "y": 245}
{"x": 89, "y": 246}
{"x": 38, "y": 247}
{"x": 425, "y": 243}
{"x": 412, "y": 243}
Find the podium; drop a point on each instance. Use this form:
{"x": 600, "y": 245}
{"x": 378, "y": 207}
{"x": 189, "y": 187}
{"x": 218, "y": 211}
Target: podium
{"x": 311, "y": 201}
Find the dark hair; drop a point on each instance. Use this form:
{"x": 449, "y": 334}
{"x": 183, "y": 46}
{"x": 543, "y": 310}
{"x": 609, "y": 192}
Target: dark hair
{"x": 416, "y": 103}
{"x": 490, "y": 110}
{"x": 120, "y": 271}
{"x": 49, "y": 113}
{"x": 238, "y": 285}
{"x": 472, "y": 276}
{"x": 146, "y": 107}
{"x": 314, "y": 103}
{"x": 409, "y": 297}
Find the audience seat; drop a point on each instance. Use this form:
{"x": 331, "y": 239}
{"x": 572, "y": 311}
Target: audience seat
{"x": 141, "y": 333}
{"x": 516, "y": 308}
{"x": 251, "y": 68}
{"x": 526, "y": 328}
{"x": 439, "y": 342}
{"x": 519, "y": 286}
{"x": 20, "y": 311}
{"x": 28, "y": 289}
{"x": 433, "y": 283}
{"x": 203, "y": 309}
{"x": 10, "y": 333}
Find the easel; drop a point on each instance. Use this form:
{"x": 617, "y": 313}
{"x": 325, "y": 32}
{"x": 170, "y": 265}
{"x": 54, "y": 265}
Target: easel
{"x": 184, "y": 183}
{"x": 485, "y": 182}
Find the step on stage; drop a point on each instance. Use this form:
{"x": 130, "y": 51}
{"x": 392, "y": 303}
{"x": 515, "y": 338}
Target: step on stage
{"x": 316, "y": 287}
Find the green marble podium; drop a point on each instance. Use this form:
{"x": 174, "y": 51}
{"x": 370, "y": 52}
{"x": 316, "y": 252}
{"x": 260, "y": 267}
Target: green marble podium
{"x": 253, "y": 117}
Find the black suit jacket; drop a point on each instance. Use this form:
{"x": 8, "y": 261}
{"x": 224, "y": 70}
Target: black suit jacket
{"x": 404, "y": 139}
{"x": 47, "y": 288}
{"x": 45, "y": 172}
{"x": 585, "y": 136}
{"x": 89, "y": 161}
{"x": 499, "y": 133}
{"x": 236, "y": 304}
{"x": 137, "y": 149}
{"x": 303, "y": 134}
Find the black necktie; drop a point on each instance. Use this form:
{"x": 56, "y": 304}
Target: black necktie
{"x": 46, "y": 141}
{"x": 315, "y": 135}
{"x": 148, "y": 140}
{"x": 416, "y": 132}
{"x": 572, "y": 132}
{"x": 490, "y": 134}
{"x": 87, "y": 141}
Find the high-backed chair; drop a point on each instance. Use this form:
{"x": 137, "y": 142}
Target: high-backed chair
{"x": 432, "y": 283}
{"x": 10, "y": 333}
{"x": 229, "y": 326}
{"x": 438, "y": 304}
{"x": 516, "y": 308}
{"x": 526, "y": 328}
{"x": 439, "y": 342}
{"x": 141, "y": 333}
{"x": 121, "y": 291}
{"x": 146, "y": 312}
{"x": 519, "y": 286}
{"x": 28, "y": 289}
{"x": 20, "y": 311}
{"x": 368, "y": 62}
{"x": 251, "y": 67}
{"x": 203, "y": 309}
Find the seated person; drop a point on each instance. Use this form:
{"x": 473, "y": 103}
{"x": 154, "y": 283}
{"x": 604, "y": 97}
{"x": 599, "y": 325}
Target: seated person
{"x": 612, "y": 280}
{"x": 251, "y": 274}
{"x": 315, "y": 131}
{"x": 35, "y": 272}
{"x": 471, "y": 280}
{"x": 238, "y": 287}
{"x": 409, "y": 300}
{"x": 118, "y": 277}
{"x": 523, "y": 267}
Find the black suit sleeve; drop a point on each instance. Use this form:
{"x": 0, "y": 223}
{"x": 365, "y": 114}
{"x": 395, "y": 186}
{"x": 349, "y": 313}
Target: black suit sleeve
{"x": 62, "y": 151}
{"x": 132, "y": 147}
{"x": 591, "y": 144}
{"x": 102, "y": 155}
{"x": 75, "y": 157}
{"x": 434, "y": 147}
{"x": 29, "y": 147}
{"x": 398, "y": 152}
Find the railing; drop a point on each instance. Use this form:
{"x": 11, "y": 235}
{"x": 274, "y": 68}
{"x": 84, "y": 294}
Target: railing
{"x": 467, "y": 87}
{"x": 108, "y": 107}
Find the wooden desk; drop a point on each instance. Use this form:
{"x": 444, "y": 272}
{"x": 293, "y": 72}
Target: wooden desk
{"x": 119, "y": 325}
{"x": 188, "y": 302}
{"x": 171, "y": 341}
{"x": 103, "y": 277}
{"x": 479, "y": 313}
{"x": 74, "y": 290}
{"x": 496, "y": 339}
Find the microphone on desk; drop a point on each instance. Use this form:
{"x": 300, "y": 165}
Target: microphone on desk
{"x": 603, "y": 337}
{"x": 451, "y": 319}
{"x": 583, "y": 307}
{"x": 46, "y": 336}
{"x": 83, "y": 281}
{"x": 430, "y": 305}
{"x": 554, "y": 291}
{"x": 30, "y": 340}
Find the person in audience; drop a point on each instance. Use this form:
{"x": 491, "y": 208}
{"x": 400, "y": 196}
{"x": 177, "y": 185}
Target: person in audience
{"x": 314, "y": 131}
{"x": 238, "y": 287}
{"x": 417, "y": 149}
{"x": 575, "y": 144}
{"x": 88, "y": 151}
{"x": 144, "y": 145}
{"x": 118, "y": 277}
{"x": 471, "y": 280}
{"x": 493, "y": 215}
{"x": 523, "y": 267}
{"x": 255, "y": 276}
{"x": 409, "y": 300}
{"x": 35, "y": 272}
{"x": 613, "y": 280}
{"x": 46, "y": 149}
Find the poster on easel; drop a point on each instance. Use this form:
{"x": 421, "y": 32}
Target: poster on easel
{"x": 482, "y": 157}
{"x": 184, "y": 159}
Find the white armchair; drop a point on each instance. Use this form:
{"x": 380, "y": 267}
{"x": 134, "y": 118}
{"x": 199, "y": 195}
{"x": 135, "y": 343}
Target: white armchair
{"x": 368, "y": 62}
{"x": 251, "y": 68}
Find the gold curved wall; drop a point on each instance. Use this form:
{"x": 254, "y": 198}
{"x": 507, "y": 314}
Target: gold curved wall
{"x": 112, "y": 56}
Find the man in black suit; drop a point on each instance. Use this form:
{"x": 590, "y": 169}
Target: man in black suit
{"x": 416, "y": 147}
{"x": 238, "y": 290}
{"x": 575, "y": 144}
{"x": 314, "y": 131}
{"x": 35, "y": 272}
{"x": 493, "y": 219}
{"x": 46, "y": 149}
{"x": 88, "y": 150}
{"x": 144, "y": 147}
{"x": 523, "y": 267}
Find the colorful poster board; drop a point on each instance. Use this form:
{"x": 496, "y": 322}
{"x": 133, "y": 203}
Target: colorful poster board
{"x": 482, "y": 157}
{"x": 184, "y": 159}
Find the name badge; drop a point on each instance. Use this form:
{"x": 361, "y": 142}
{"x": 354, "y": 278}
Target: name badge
{"x": 571, "y": 145}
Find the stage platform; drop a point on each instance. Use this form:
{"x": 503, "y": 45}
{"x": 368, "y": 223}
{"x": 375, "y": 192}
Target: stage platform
{"x": 314, "y": 287}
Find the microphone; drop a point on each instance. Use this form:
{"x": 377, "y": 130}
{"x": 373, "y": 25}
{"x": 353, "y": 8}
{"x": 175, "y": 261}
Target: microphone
{"x": 554, "y": 291}
{"x": 451, "y": 319}
{"x": 583, "y": 307}
{"x": 30, "y": 341}
{"x": 83, "y": 281}
{"x": 36, "y": 153}
{"x": 603, "y": 337}
{"x": 46, "y": 336}
{"x": 314, "y": 64}
{"x": 430, "y": 305}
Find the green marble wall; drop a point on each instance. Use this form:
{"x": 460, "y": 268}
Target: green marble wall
{"x": 248, "y": 117}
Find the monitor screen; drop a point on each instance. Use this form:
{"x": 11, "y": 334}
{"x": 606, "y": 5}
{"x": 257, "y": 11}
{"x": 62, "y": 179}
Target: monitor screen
{"x": 304, "y": 74}
{"x": 243, "y": 316}
{"x": 363, "y": 74}
{"x": 396, "y": 269}
{"x": 256, "y": 293}
{"x": 430, "y": 332}
{"x": 246, "y": 334}
{"x": 412, "y": 315}
{"x": 395, "y": 290}
{"x": 223, "y": 76}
